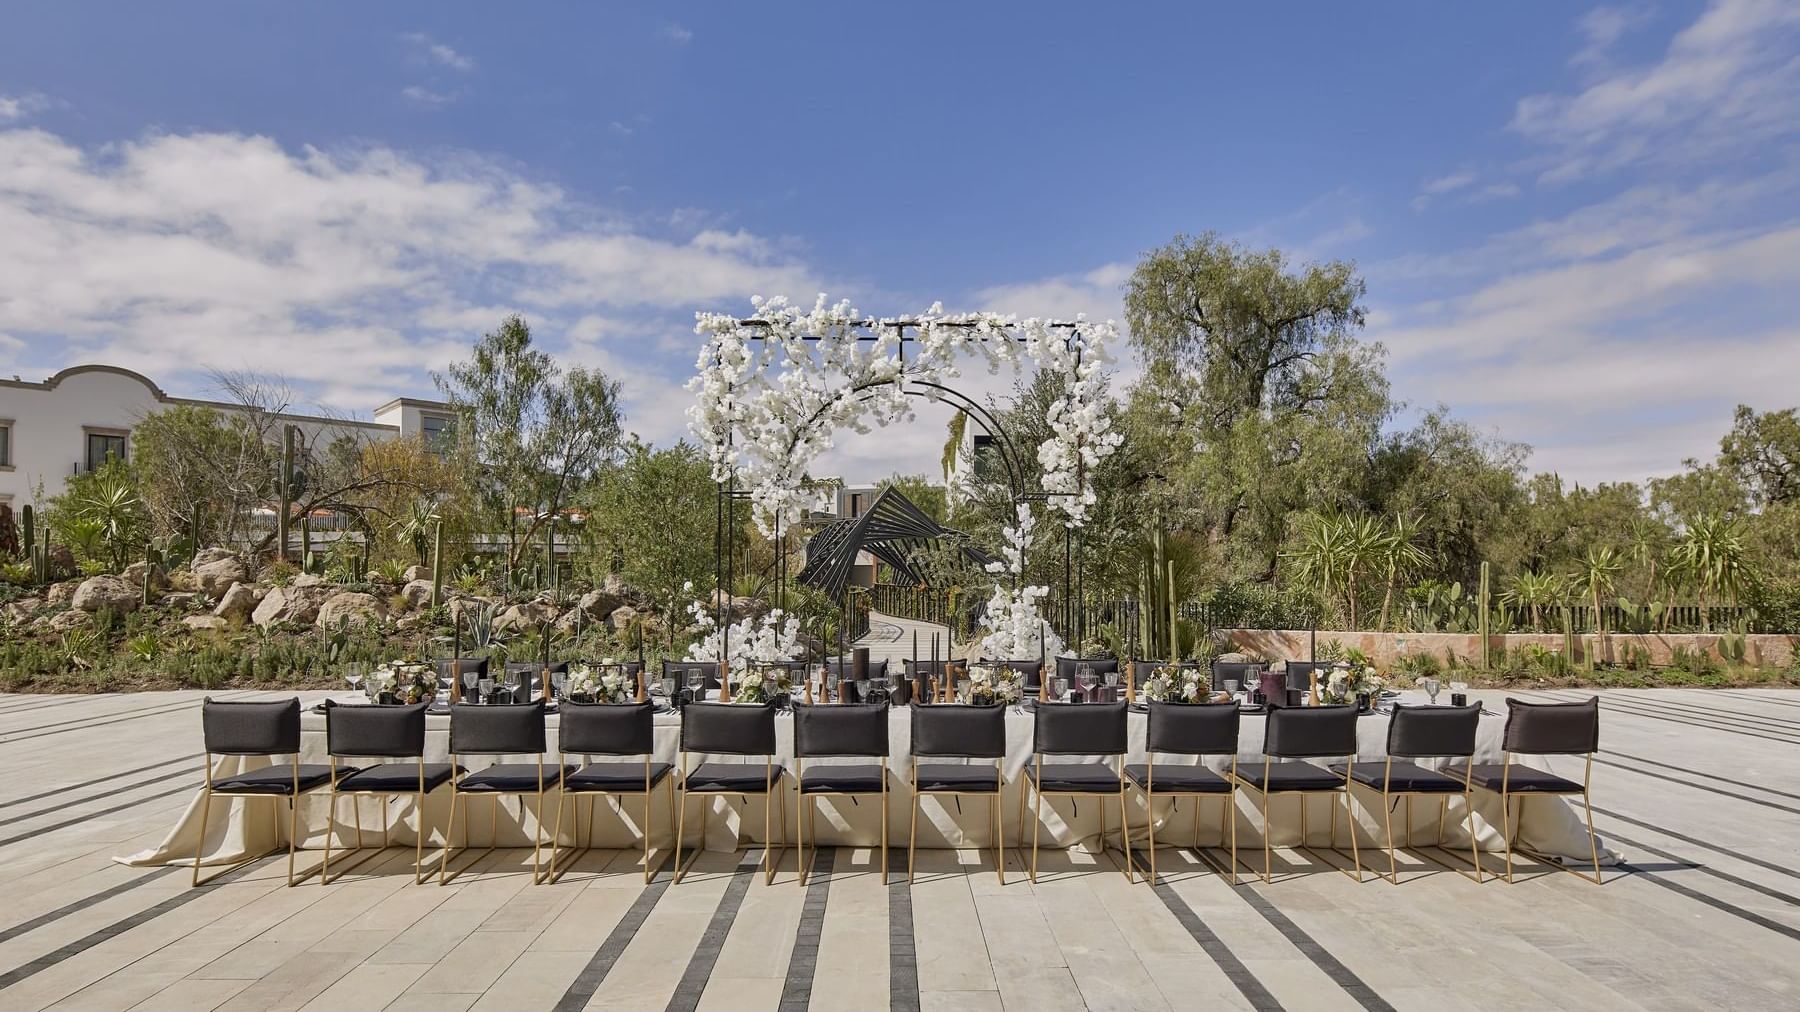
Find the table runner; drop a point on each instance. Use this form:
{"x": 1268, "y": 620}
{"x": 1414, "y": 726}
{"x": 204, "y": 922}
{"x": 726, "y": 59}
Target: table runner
{"x": 240, "y": 828}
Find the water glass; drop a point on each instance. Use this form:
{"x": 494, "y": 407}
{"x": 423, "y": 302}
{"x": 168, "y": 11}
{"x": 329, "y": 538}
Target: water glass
{"x": 559, "y": 679}
{"x": 486, "y": 685}
{"x": 1059, "y": 688}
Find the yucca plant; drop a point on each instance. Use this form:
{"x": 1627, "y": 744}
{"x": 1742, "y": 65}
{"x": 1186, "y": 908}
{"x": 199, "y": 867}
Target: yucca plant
{"x": 1597, "y": 576}
{"x": 1534, "y": 591}
{"x": 1713, "y": 554}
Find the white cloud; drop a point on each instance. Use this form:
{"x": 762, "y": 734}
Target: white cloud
{"x": 677, "y": 34}
{"x": 348, "y": 271}
{"x": 1099, "y": 293}
{"x": 1728, "y": 79}
{"x": 425, "y": 96}
{"x": 1602, "y": 27}
{"x": 14, "y": 108}
{"x": 429, "y": 50}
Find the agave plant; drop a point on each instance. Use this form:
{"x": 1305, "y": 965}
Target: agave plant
{"x": 1534, "y": 591}
{"x": 1714, "y": 556}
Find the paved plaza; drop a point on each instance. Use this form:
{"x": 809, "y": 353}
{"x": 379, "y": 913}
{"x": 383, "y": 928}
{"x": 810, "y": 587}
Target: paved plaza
{"x": 1698, "y": 790}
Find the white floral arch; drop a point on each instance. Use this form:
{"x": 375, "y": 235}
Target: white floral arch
{"x": 773, "y": 387}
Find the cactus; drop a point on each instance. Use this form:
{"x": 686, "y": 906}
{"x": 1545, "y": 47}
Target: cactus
{"x": 28, "y": 531}
{"x": 1483, "y": 603}
{"x": 306, "y": 552}
{"x": 437, "y": 564}
{"x": 1568, "y": 624}
{"x": 286, "y": 483}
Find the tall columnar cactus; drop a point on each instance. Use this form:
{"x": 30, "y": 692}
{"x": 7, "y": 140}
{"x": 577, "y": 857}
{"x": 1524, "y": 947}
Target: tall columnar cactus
{"x": 306, "y": 553}
{"x": 437, "y": 564}
{"x": 152, "y": 559}
{"x": 287, "y": 494}
{"x": 1568, "y": 623}
{"x": 1482, "y": 603}
{"x": 28, "y": 530}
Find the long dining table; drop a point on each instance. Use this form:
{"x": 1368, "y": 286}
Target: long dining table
{"x": 1547, "y": 825}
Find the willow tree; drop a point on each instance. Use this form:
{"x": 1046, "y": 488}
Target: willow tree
{"x": 1254, "y": 363}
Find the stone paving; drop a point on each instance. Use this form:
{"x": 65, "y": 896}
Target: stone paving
{"x": 1698, "y": 790}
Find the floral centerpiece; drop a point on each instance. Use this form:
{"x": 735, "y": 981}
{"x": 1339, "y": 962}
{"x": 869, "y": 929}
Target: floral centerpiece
{"x": 401, "y": 682}
{"x": 603, "y": 685}
{"x": 1014, "y": 626}
{"x": 988, "y": 686}
{"x": 746, "y": 643}
{"x": 761, "y": 684}
{"x": 1168, "y": 684}
{"x": 1349, "y": 680}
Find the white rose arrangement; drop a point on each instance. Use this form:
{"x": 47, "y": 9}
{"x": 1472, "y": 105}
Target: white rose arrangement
{"x": 988, "y": 686}
{"x": 1178, "y": 685}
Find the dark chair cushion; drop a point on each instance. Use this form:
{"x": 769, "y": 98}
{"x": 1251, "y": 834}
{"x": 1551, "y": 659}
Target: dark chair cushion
{"x": 1074, "y": 778}
{"x": 971, "y": 778}
{"x": 1522, "y": 780}
{"x": 510, "y": 778}
{"x": 277, "y": 780}
{"x": 1291, "y": 777}
{"x": 1179, "y": 779}
{"x": 858, "y": 779}
{"x": 620, "y": 778}
{"x": 395, "y": 778}
{"x": 1404, "y": 777}
{"x": 732, "y": 778}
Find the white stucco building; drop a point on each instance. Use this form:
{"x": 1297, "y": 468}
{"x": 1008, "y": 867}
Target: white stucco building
{"x": 74, "y": 420}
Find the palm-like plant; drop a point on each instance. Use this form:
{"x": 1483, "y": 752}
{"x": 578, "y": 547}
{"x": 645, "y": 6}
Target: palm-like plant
{"x": 1597, "y": 577}
{"x": 1534, "y": 591}
{"x": 1336, "y": 551}
{"x": 1400, "y": 557}
{"x": 417, "y": 527}
{"x": 1714, "y": 556}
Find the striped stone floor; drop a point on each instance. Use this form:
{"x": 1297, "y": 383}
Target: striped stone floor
{"x": 1699, "y": 790}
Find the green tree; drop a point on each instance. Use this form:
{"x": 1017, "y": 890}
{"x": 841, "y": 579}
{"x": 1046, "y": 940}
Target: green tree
{"x": 1713, "y": 555}
{"x": 1763, "y": 452}
{"x": 650, "y": 515}
{"x": 1255, "y": 385}
{"x": 536, "y": 433}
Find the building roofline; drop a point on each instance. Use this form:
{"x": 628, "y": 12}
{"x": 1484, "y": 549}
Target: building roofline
{"x": 75, "y": 370}
{"x": 413, "y": 402}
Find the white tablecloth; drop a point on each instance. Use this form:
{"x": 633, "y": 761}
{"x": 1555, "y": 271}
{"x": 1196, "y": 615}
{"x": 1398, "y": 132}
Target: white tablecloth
{"x": 240, "y": 828}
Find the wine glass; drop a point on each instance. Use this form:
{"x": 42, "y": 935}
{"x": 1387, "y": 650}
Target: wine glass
{"x": 355, "y": 677}
{"x": 486, "y": 687}
{"x": 696, "y": 682}
{"x": 558, "y": 679}
{"x": 1431, "y": 688}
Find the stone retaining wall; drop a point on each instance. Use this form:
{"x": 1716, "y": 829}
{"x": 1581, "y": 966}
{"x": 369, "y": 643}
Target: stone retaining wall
{"x": 1384, "y": 648}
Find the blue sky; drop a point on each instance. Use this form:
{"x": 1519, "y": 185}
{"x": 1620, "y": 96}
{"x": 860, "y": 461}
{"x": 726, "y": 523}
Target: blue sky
{"x": 1580, "y": 225}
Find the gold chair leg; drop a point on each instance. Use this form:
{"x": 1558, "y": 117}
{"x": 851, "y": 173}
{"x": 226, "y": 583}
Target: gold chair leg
{"x": 1150, "y": 825}
{"x": 1268, "y": 864}
{"x": 768, "y": 835}
{"x": 1124, "y": 837}
{"x": 419, "y": 841}
{"x": 680, "y": 831}
{"x": 200, "y": 847}
{"x": 1593, "y": 841}
{"x": 1230, "y": 814}
{"x": 356, "y": 813}
{"x": 884, "y": 832}
{"x": 800, "y": 820}
{"x": 646, "y": 836}
{"x": 1474, "y": 845}
{"x": 1037, "y": 825}
{"x": 1350, "y": 819}
{"x": 330, "y": 827}
{"x": 450, "y": 838}
{"x": 1387, "y": 813}
{"x": 995, "y": 808}
{"x": 293, "y": 835}
{"x": 912, "y": 835}
{"x": 1506, "y": 828}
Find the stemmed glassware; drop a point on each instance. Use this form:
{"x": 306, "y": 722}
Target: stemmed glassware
{"x": 1231, "y": 687}
{"x": 354, "y": 676}
{"x": 1431, "y": 689}
{"x": 471, "y": 685}
{"x": 486, "y": 687}
{"x": 696, "y": 682}
{"x": 1059, "y": 686}
{"x": 1084, "y": 677}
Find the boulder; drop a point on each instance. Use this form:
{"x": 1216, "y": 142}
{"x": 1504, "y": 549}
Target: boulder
{"x": 464, "y": 609}
{"x": 111, "y": 592}
{"x": 409, "y": 622}
{"x": 24, "y": 608}
{"x": 215, "y": 577}
{"x": 417, "y": 593}
{"x": 740, "y": 607}
{"x": 134, "y": 575}
{"x": 183, "y": 598}
{"x": 307, "y": 580}
{"x": 297, "y": 605}
{"x": 526, "y": 617}
{"x": 621, "y": 617}
{"x": 60, "y": 593}
{"x": 63, "y": 621}
{"x": 209, "y": 555}
{"x": 600, "y": 603}
{"x": 417, "y": 573}
{"x": 205, "y": 623}
{"x": 355, "y": 608}
{"x": 237, "y": 604}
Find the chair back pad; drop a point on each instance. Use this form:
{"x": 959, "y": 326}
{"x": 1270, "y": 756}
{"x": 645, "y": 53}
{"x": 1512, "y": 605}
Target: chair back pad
{"x": 927, "y": 668}
{"x": 498, "y": 729}
{"x": 840, "y": 666}
{"x": 1242, "y": 672}
{"x": 729, "y": 728}
{"x": 251, "y": 728}
{"x": 607, "y": 728}
{"x": 859, "y": 729}
{"x": 1552, "y": 728}
{"x": 1193, "y": 728}
{"x": 678, "y": 670}
{"x": 477, "y": 666}
{"x": 1310, "y": 732}
{"x": 1423, "y": 732}
{"x": 956, "y": 730}
{"x": 1299, "y": 673}
{"x": 1065, "y": 666}
{"x": 1079, "y": 729}
{"x": 388, "y": 732}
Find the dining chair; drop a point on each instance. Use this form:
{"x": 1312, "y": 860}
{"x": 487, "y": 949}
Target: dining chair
{"x": 1084, "y": 729}
{"x": 608, "y": 729}
{"x": 1242, "y": 672}
{"x": 1067, "y": 667}
{"x": 958, "y": 731}
{"x": 678, "y": 670}
{"x": 527, "y": 678}
{"x": 1296, "y": 734}
{"x": 1543, "y": 729}
{"x": 853, "y": 730}
{"x": 449, "y": 667}
{"x": 1422, "y": 732}
{"x": 738, "y": 729}
{"x": 499, "y": 730}
{"x": 252, "y": 729}
{"x": 379, "y": 732}
{"x": 841, "y": 667}
{"x": 1193, "y": 730}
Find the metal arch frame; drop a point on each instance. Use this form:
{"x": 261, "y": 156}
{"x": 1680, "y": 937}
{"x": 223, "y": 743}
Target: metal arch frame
{"x": 727, "y": 493}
